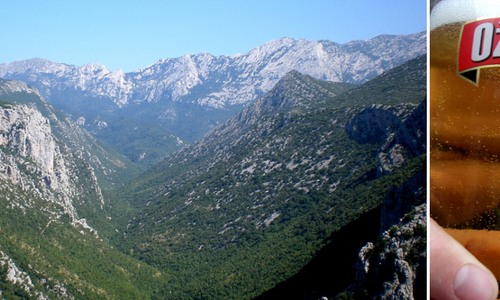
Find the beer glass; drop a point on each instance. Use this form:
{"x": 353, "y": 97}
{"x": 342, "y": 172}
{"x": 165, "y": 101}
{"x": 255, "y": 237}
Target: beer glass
{"x": 465, "y": 124}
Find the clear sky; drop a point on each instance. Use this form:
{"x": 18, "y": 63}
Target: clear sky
{"x": 134, "y": 34}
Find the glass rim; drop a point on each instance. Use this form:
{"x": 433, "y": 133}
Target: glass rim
{"x": 433, "y": 3}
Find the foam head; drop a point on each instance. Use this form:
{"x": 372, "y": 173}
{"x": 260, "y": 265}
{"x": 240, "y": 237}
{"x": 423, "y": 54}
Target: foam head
{"x": 451, "y": 11}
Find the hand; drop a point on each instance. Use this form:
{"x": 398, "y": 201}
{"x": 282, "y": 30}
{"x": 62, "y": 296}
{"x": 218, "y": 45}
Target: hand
{"x": 455, "y": 274}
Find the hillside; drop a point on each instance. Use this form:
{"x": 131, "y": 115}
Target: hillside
{"x": 250, "y": 204}
{"x": 110, "y": 167}
{"x": 244, "y": 212}
{"x": 152, "y": 112}
{"x": 53, "y": 210}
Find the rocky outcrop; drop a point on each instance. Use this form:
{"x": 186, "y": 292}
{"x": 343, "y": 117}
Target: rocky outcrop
{"x": 374, "y": 123}
{"x": 394, "y": 267}
{"x": 108, "y": 166}
{"x": 407, "y": 140}
{"x": 25, "y": 131}
{"x": 19, "y": 278}
{"x": 401, "y": 130}
{"x": 32, "y": 159}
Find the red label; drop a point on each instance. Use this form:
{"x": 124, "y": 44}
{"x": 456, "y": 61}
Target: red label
{"x": 479, "y": 45}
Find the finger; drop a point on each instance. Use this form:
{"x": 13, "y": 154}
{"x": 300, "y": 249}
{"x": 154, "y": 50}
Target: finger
{"x": 483, "y": 244}
{"x": 455, "y": 274}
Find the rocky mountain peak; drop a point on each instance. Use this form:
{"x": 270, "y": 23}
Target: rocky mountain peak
{"x": 288, "y": 94}
{"x": 241, "y": 78}
{"x": 94, "y": 69}
{"x": 193, "y": 93}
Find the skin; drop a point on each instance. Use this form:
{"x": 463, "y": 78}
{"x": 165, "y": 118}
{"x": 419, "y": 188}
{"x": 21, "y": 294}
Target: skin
{"x": 449, "y": 259}
{"x": 464, "y": 173}
{"x": 483, "y": 244}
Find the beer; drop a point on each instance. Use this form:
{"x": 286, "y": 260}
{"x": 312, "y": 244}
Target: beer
{"x": 465, "y": 116}
{"x": 465, "y": 119}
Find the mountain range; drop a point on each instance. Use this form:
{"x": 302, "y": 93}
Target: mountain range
{"x": 314, "y": 188}
{"x": 180, "y": 99}
{"x": 250, "y": 203}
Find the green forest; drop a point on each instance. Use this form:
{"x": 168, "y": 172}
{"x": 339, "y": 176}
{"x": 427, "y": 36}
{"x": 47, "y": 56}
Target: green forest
{"x": 228, "y": 217}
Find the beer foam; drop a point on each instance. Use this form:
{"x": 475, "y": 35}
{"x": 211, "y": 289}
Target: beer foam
{"x": 451, "y": 11}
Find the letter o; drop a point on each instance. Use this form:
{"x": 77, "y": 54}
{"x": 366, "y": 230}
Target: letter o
{"x": 483, "y": 41}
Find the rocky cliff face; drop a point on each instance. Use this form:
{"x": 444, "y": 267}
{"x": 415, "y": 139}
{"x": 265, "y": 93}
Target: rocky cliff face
{"x": 401, "y": 137}
{"x": 25, "y": 131}
{"x": 108, "y": 166}
{"x": 54, "y": 217}
{"x": 394, "y": 267}
{"x": 32, "y": 159}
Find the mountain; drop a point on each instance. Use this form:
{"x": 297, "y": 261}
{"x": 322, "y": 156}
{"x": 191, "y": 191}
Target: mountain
{"x": 241, "y": 213}
{"x": 53, "y": 210}
{"x": 110, "y": 167}
{"x": 251, "y": 203}
{"x": 177, "y": 100}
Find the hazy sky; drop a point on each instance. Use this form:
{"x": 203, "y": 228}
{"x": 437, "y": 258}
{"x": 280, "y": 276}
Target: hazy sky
{"x": 134, "y": 34}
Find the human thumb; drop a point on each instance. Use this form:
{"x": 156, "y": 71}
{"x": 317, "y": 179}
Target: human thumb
{"x": 455, "y": 274}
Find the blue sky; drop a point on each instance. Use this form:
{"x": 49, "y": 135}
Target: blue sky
{"x": 133, "y": 34}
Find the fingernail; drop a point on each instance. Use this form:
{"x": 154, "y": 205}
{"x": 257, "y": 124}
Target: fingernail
{"x": 474, "y": 283}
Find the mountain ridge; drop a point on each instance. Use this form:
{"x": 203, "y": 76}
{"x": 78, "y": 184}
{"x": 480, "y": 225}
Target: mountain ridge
{"x": 250, "y": 203}
{"x": 227, "y": 217}
{"x": 180, "y": 99}
{"x": 181, "y": 74}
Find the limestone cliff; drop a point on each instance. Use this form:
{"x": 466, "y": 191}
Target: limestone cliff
{"x": 394, "y": 267}
{"x": 401, "y": 137}
{"x": 34, "y": 160}
{"x": 109, "y": 167}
